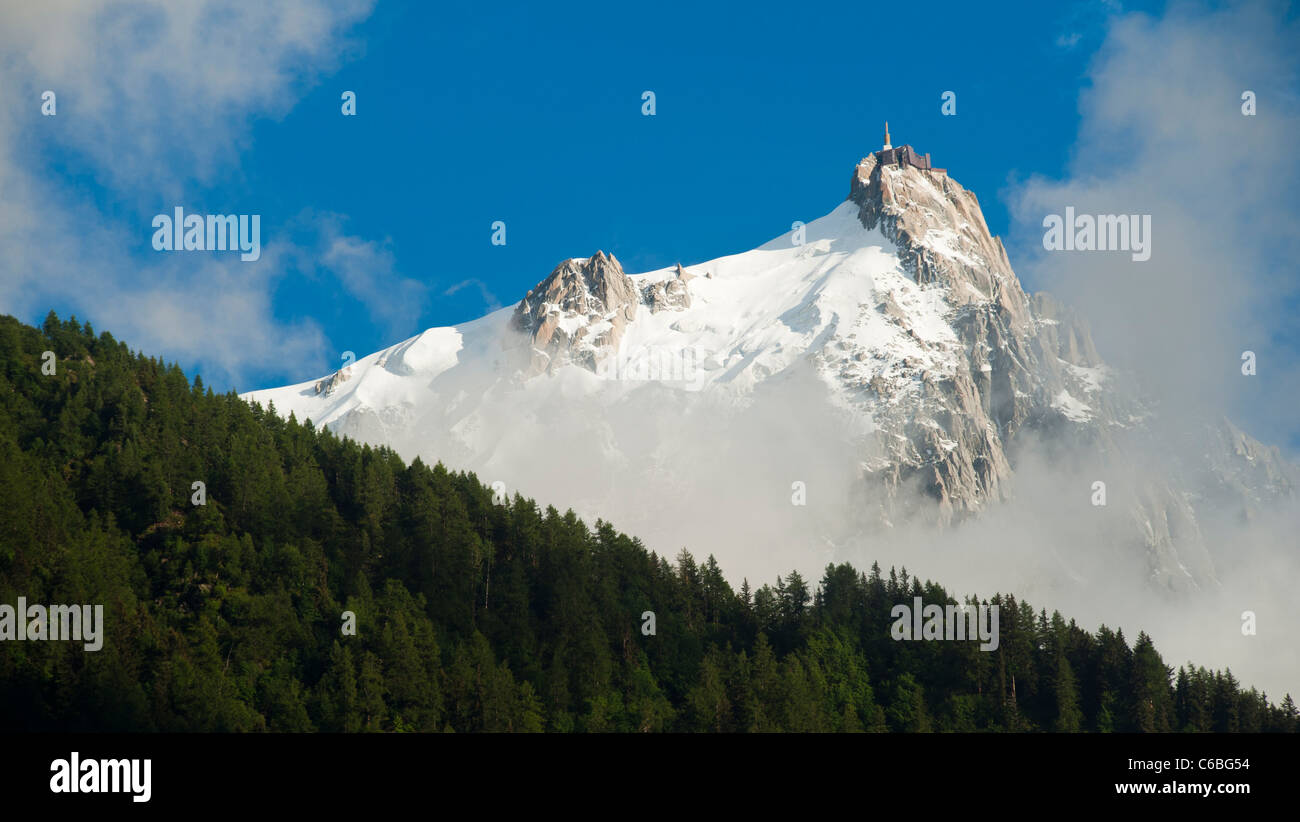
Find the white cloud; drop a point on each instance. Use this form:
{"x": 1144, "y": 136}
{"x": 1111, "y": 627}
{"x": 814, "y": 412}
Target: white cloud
{"x": 365, "y": 269}
{"x": 147, "y": 80}
{"x": 1069, "y": 41}
{"x": 217, "y": 313}
{"x": 1162, "y": 133}
{"x": 154, "y": 99}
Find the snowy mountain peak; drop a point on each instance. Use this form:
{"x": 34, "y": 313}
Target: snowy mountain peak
{"x": 577, "y": 314}
{"x": 938, "y": 228}
{"x": 890, "y": 339}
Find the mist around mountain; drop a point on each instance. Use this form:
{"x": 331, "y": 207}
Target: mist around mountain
{"x": 874, "y": 385}
{"x": 225, "y": 610}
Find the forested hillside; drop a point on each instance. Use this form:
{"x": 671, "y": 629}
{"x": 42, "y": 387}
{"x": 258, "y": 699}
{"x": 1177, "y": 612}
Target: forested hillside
{"x": 471, "y": 615}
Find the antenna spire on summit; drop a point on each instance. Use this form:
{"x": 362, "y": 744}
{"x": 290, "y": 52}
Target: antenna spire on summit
{"x": 887, "y": 145}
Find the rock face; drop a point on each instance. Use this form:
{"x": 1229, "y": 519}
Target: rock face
{"x": 327, "y": 385}
{"x": 670, "y": 294}
{"x": 578, "y": 313}
{"x": 1024, "y": 362}
{"x": 1242, "y": 475}
{"x": 1029, "y": 372}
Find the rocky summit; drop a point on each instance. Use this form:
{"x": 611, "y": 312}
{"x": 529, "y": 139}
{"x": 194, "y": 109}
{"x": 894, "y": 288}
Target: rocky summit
{"x": 887, "y": 350}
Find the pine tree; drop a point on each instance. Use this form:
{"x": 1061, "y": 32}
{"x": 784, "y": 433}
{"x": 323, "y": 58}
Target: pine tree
{"x": 907, "y": 712}
{"x": 1150, "y": 688}
{"x": 1290, "y": 717}
{"x": 1068, "y": 717}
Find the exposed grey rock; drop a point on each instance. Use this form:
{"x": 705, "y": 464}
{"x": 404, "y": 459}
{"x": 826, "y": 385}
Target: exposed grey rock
{"x": 1030, "y": 372}
{"x": 578, "y": 313}
{"x": 670, "y": 294}
{"x": 327, "y": 385}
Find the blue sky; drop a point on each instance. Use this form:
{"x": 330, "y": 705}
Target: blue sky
{"x": 377, "y": 226}
{"x": 470, "y": 113}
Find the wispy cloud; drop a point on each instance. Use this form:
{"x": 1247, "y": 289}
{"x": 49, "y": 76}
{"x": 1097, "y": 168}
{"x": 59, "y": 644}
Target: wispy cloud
{"x": 489, "y": 299}
{"x": 1163, "y": 133}
{"x": 364, "y": 269}
{"x": 1069, "y": 41}
{"x": 154, "y": 99}
{"x": 1085, "y": 22}
{"x": 155, "y": 92}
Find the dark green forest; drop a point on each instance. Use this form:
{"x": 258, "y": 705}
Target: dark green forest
{"x": 471, "y": 615}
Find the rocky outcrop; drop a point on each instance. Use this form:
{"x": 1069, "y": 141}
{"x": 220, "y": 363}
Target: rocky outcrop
{"x": 670, "y": 294}
{"x": 1022, "y": 362}
{"x": 1028, "y": 372}
{"x": 1241, "y": 476}
{"x": 327, "y": 385}
{"x": 578, "y": 313}
{"x": 940, "y": 233}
